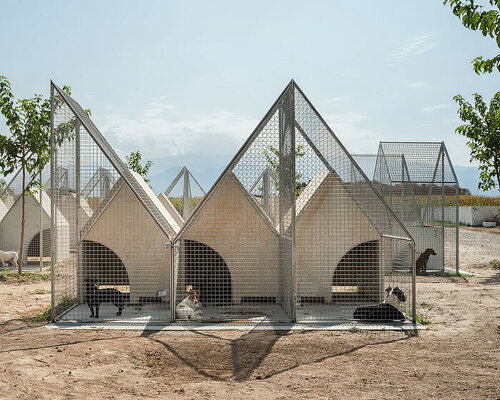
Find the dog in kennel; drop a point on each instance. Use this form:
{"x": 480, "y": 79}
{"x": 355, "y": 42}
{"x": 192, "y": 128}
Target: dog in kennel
{"x": 388, "y": 310}
{"x": 423, "y": 259}
{"x": 96, "y": 296}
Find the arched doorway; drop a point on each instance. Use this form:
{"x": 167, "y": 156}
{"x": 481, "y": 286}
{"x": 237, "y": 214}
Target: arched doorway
{"x": 101, "y": 263}
{"x": 357, "y": 276}
{"x": 207, "y": 271}
{"x": 33, "y": 251}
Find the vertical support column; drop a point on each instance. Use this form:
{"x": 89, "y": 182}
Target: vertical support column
{"x": 413, "y": 284}
{"x": 457, "y": 232}
{"x": 53, "y": 162}
{"x": 442, "y": 205}
{"x": 41, "y": 224}
{"x": 186, "y": 207}
{"x": 79, "y": 272}
{"x": 287, "y": 188}
{"x": 266, "y": 192}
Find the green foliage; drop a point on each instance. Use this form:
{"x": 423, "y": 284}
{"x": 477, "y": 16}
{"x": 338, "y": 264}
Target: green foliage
{"x": 7, "y": 275}
{"x": 272, "y": 155}
{"x": 134, "y": 163}
{"x": 423, "y": 319}
{"x": 476, "y": 18}
{"x": 482, "y": 129}
{"x": 355, "y": 330}
{"x": 177, "y": 202}
{"x": 42, "y": 317}
{"x": 495, "y": 263}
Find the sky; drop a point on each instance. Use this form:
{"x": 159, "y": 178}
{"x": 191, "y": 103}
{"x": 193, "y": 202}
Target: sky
{"x": 187, "y": 82}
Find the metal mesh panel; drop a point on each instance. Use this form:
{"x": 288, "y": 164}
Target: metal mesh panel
{"x": 117, "y": 251}
{"x": 418, "y": 181}
{"x": 349, "y": 242}
{"x": 294, "y": 230}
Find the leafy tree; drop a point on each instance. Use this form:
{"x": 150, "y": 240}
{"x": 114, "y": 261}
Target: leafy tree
{"x": 134, "y": 163}
{"x": 482, "y": 128}
{"x": 473, "y": 16}
{"x": 272, "y": 155}
{"x": 28, "y": 145}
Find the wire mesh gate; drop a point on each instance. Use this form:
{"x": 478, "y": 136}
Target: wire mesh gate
{"x": 291, "y": 231}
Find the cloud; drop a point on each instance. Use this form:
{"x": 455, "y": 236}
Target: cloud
{"x": 346, "y": 118}
{"x": 416, "y": 85}
{"x": 416, "y": 46}
{"x": 332, "y": 100}
{"x": 159, "y": 131}
{"x": 437, "y": 107}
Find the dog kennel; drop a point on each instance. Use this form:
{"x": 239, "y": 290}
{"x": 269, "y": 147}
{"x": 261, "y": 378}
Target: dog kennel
{"x": 37, "y": 228}
{"x": 292, "y": 230}
{"x": 418, "y": 181}
{"x": 120, "y": 233}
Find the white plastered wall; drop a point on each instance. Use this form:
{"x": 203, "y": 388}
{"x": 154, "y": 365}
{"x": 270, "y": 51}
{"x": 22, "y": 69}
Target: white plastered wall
{"x": 230, "y": 224}
{"x": 328, "y": 226}
{"x": 10, "y": 225}
{"x": 127, "y": 228}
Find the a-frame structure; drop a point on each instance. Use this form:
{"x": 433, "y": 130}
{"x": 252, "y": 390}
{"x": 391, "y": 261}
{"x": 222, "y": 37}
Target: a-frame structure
{"x": 124, "y": 245}
{"x": 419, "y": 182}
{"x": 292, "y": 229}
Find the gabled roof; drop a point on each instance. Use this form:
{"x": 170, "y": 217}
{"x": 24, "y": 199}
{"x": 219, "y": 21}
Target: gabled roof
{"x": 151, "y": 205}
{"x": 293, "y": 118}
{"x": 427, "y": 162}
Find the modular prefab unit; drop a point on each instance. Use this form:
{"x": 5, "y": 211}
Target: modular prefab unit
{"x": 418, "y": 181}
{"x": 120, "y": 235}
{"x": 37, "y": 233}
{"x": 293, "y": 230}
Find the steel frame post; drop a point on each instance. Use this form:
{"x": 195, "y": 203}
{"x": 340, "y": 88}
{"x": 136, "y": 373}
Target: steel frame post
{"x": 53, "y": 157}
{"x": 40, "y": 244}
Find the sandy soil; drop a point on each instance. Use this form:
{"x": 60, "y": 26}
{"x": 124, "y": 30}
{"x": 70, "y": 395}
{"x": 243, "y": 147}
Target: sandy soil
{"x": 458, "y": 357}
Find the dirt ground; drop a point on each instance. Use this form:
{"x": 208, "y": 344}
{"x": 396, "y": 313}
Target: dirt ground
{"x": 458, "y": 357}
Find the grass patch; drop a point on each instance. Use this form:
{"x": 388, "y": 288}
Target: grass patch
{"x": 423, "y": 319}
{"x": 41, "y": 291}
{"x": 43, "y": 317}
{"x": 6, "y": 275}
{"x": 424, "y": 304}
{"x": 355, "y": 330}
{"x": 447, "y": 274}
{"x": 495, "y": 263}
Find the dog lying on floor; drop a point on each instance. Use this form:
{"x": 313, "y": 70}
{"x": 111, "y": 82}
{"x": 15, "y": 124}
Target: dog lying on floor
{"x": 388, "y": 310}
{"x": 423, "y": 259}
{"x": 96, "y": 296}
{"x": 8, "y": 256}
{"x": 186, "y": 309}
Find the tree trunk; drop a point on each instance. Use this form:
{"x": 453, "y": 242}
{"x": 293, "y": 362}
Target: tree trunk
{"x": 23, "y": 218}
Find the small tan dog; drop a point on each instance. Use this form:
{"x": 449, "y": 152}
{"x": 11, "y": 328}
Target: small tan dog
{"x": 423, "y": 259}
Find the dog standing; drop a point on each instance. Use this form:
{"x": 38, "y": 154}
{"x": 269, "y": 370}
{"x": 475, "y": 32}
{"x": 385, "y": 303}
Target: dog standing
{"x": 96, "y": 296}
{"x": 9, "y": 256}
{"x": 186, "y": 309}
{"x": 423, "y": 259}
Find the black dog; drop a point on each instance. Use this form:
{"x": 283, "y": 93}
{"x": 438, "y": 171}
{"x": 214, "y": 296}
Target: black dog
{"x": 96, "y": 296}
{"x": 386, "y": 311}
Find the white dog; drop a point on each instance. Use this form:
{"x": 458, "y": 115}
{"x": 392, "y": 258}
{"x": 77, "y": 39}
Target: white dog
{"x": 8, "y": 256}
{"x": 186, "y": 309}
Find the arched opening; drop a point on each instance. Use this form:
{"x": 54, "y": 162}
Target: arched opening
{"x": 207, "y": 271}
{"x": 101, "y": 263}
{"x": 33, "y": 251}
{"x": 357, "y": 276}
